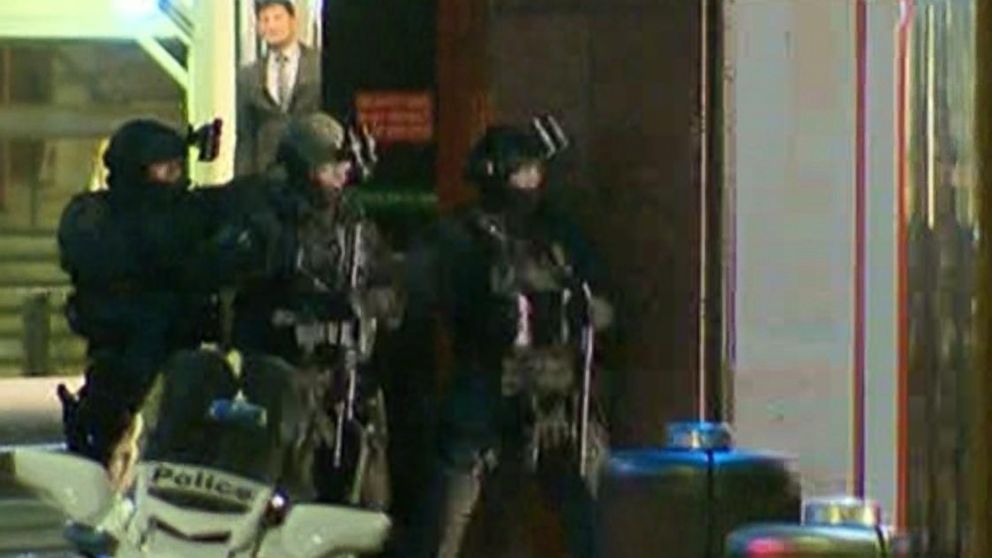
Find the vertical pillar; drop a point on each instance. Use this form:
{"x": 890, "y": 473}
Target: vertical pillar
{"x": 211, "y": 91}
{"x": 979, "y": 436}
{"x": 713, "y": 389}
{"x": 462, "y": 63}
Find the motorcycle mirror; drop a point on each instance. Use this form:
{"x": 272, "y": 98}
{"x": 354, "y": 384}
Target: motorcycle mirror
{"x": 78, "y": 486}
{"x": 314, "y": 530}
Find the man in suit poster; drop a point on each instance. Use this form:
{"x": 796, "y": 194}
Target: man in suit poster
{"x": 283, "y": 83}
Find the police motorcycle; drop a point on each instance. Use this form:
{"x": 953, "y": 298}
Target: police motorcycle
{"x": 209, "y": 484}
{"x": 215, "y": 477}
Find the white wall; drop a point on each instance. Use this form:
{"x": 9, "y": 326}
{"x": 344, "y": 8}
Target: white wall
{"x": 793, "y": 100}
{"x": 881, "y": 301}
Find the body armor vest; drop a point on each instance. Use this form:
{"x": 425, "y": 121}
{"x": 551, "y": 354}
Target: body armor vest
{"x": 329, "y": 268}
{"x": 535, "y": 277}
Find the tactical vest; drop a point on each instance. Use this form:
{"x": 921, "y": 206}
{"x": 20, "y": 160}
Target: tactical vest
{"x": 331, "y": 259}
{"x": 327, "y": 251}
{"x": 534, "y": 276}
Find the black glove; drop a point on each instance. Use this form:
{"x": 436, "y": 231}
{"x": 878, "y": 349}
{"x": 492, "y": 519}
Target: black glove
{"x": 254, "y": 244}
{"x": 238, "y": 247}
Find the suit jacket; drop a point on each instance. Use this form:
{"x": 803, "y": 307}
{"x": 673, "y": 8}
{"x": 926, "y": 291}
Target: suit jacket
{"x": 261, "y": 121}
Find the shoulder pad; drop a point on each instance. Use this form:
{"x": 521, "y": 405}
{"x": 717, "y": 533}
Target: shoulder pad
{"x": 85, "y": 210}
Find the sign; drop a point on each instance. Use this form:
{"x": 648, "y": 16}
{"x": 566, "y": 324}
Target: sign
{"x": 397, "y": 116}
{"x": 200, "y": 480}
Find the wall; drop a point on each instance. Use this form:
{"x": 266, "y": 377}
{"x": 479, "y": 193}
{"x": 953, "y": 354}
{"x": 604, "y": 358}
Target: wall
{"x": 794, "y": 93}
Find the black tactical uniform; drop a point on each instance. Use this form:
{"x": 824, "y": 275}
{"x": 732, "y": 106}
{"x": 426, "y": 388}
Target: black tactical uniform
{"x": 134, "y": 297}
{"x": 511, "y": 281}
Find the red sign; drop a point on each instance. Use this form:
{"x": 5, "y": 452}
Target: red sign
{"x": 397, "y": 116}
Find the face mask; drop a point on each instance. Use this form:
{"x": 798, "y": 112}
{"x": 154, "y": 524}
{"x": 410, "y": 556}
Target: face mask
{"x": 159, "y": 193}
{"x": 522, "y": 202}
{"x": 178, "y": 184}
{"x": 172, "y": 182}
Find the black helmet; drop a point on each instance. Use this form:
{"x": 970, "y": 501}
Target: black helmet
{"x": 499, "y": 152}
{"x": 137, "y": 144}
{"x": 503, "y": 149}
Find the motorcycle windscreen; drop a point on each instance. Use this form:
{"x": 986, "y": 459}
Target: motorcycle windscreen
{"x": 186, "y": 428}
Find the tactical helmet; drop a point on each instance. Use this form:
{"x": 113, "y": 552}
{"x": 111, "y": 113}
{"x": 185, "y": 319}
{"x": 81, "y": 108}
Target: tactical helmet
{"x": 499, "y": 152}
{"x": 310, "y": 141}
{"x": 137, "y": 144}
{"x": 503, "y": 149}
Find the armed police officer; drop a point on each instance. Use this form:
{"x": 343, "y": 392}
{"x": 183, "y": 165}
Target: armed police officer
{"x": 134, "y": 299}
{"x": 516, "y": 290}
{"x": 323, "y": 287}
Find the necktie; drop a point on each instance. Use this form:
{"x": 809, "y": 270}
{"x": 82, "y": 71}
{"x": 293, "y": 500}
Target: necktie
{"x": 284, "y": 87}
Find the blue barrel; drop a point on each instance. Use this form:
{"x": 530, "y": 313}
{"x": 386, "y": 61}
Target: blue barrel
{"x": 682, "y": 500}
{"x": 833, "y": 527}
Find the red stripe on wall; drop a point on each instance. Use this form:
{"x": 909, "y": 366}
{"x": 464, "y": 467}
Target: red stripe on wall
{"x": 860, "y": 183}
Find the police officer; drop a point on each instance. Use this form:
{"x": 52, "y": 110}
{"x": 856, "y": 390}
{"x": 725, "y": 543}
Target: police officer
{"x": 134, "y": 301}
{"x": 516, "y": 292}
{"x": 323, "y": 287}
